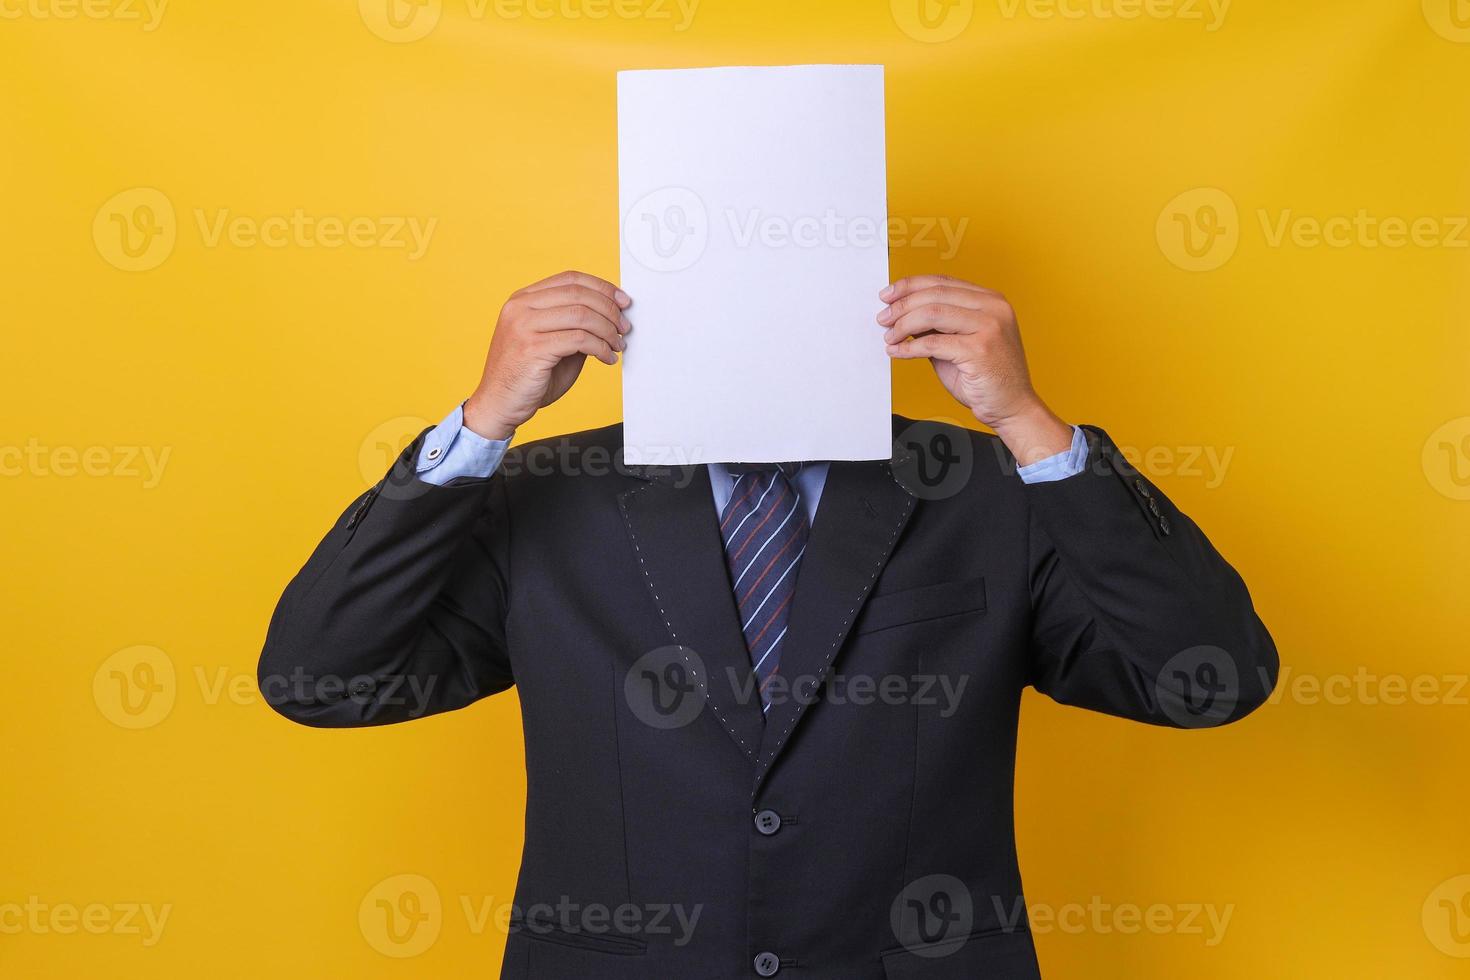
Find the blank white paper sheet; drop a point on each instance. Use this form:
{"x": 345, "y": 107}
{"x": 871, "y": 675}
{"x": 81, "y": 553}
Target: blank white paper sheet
{"x": 754, "y": 242}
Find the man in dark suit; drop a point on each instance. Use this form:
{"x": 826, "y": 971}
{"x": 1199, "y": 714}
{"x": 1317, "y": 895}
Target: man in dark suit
{"x": 770, "y": 710}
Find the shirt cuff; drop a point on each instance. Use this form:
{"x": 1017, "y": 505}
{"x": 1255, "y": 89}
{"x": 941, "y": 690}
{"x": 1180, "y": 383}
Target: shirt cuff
{"x": 451, "y": 452}
{"x": 1060, "y": 466}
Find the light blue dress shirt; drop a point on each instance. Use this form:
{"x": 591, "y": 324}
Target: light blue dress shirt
{"x": 452, "y": 451}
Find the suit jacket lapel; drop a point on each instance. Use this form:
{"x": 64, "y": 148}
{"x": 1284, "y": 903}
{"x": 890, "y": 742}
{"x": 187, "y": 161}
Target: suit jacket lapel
{"x": 862, "y": 512}
{"x": 675, "y": 533}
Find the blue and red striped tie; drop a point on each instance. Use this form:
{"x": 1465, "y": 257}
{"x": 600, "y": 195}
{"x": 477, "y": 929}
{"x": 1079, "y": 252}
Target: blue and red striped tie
{"x": 765, "y": 530}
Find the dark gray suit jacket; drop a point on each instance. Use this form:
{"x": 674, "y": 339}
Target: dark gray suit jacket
{"x": 863, "y": 828}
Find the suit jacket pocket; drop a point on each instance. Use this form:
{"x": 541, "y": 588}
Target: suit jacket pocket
{"x": 593, "y": 941}
{"x": 552, "y": 954}
{"x": 920, "y": 604}
{"x": 993, "y": 955}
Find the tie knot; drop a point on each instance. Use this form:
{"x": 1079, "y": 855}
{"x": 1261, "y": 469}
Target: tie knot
{"x": 788, "y": 470}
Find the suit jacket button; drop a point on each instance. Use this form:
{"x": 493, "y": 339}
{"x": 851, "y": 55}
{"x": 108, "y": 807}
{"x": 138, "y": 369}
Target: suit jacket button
{"x": 766, "y": 964}
{"x": 1164, "y": 525}
{"x": 1153, "y": 505}
{"x": 1141, "y": 488}
{"x": 767, "y": 822}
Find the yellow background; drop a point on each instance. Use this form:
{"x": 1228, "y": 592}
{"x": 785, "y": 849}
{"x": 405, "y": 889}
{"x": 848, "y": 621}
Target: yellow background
{"x": 1331, "y": 828}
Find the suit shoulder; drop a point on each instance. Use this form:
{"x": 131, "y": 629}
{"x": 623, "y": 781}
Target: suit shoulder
{"x": 607, "y": 435}
{"x": 590, "y": 452}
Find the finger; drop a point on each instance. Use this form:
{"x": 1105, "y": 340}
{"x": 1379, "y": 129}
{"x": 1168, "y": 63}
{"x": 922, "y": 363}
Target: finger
{"x": 935, "y": 317}
{"x": 970, "y": 299}
{"x": 572, "y": 276}
{"x": 573, "y": 294}
{"x": 565, "y": 343}
{"x": 912, "y": 284}
{"x": 945, "y": 347}
{"x": 575, "y": 318}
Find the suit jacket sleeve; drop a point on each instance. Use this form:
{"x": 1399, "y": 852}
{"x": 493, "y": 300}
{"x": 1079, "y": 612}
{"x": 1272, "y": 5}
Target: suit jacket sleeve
{"x": 1135, "y": 613}
{"x": 399, "y": 612}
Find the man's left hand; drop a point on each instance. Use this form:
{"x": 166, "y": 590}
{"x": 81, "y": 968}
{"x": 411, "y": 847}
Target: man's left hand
{"x": 970, "y": 335}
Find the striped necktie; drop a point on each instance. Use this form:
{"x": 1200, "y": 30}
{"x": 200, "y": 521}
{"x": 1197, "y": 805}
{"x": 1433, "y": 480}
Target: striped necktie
{"x": 765, "y": 530}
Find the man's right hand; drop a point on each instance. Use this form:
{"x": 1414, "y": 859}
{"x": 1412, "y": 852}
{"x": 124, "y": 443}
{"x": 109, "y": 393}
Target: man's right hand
{"x": 543, "y": 337}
